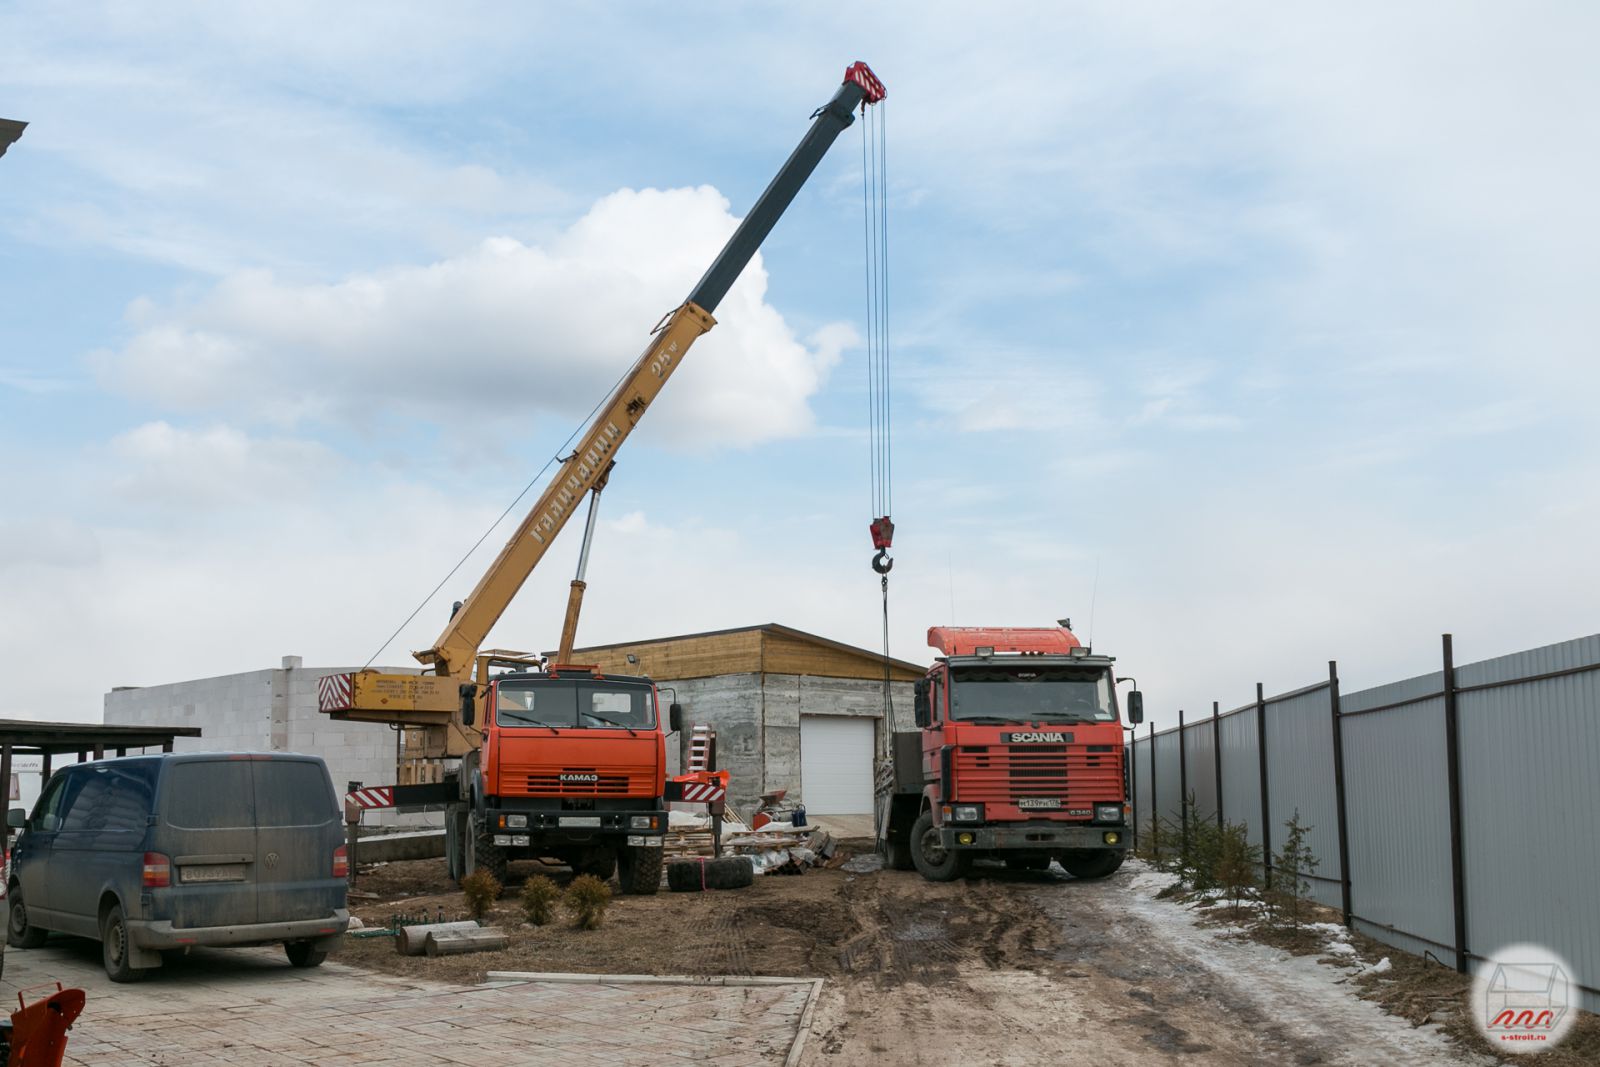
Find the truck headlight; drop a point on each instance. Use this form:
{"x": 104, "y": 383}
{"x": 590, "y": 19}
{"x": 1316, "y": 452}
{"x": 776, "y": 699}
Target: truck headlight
{"x": 968, "y": 813}
{"x": 642, "y": 822}
{"x": 516, "y": 822}
{"x": 1108, "y": 813}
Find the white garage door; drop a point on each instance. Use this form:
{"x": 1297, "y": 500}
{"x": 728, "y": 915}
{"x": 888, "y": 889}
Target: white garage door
{"x": 836, "y": 764}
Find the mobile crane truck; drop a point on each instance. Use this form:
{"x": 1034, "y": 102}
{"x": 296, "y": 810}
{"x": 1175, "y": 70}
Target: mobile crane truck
{"x": 1018, "y": 755}
{"x": 551, "y": 759}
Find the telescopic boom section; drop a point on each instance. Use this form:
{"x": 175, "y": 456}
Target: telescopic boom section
{"x": 457, "y": 646}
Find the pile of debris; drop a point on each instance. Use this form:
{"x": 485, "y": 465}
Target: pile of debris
{"x": 783, "y": 848}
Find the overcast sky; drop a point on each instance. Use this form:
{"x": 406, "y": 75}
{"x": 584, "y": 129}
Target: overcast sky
{"x": 1248, "y": 337}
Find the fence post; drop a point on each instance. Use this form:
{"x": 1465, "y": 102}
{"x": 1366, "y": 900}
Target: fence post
{"x": 1452, "y": 749}
{"x": 1155, "y": 806}
{"x": 1216, "y": 752}
{"x": 1266, "y": 804}
{"x": 1183, "y": 790}
{"x": 1338, "y": 789}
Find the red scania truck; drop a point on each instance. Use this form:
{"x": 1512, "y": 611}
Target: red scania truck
{"x": 1018, "y": 755}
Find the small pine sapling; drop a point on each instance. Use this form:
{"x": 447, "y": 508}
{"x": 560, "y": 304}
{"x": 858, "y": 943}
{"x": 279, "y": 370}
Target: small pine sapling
{"x": 539, "y": 896}
{"x": 481, "y": 889}
{"x": 1236, "y": 865}
{"x": 587, "y": 899}
{"x": 1290, "y": 868}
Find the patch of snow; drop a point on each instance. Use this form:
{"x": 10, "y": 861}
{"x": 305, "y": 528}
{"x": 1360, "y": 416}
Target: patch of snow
{"x": 1342, "y": 948}
{"x": 1333, "y": 930}
{"x": 1383, "y": 966}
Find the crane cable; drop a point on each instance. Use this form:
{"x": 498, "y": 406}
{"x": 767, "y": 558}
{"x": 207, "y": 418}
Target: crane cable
{"x": 875, "y": 232}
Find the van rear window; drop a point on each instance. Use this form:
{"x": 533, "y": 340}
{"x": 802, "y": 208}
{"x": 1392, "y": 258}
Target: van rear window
{"x": 291, "y": 793}
{"x": 209, "y": 795}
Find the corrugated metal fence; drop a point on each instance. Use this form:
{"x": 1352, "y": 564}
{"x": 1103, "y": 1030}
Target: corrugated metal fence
{"x": 1453, "y": 813}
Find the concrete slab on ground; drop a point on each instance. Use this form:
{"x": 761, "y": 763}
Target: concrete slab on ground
{"x": 249, "y": 1007}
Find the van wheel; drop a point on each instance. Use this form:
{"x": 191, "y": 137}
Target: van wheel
{"x": 19, "y": 931}
{"x": 482, "y": 853}
{"x": 639, "y": 870}
{"x": 304, "y": 953}
{"x": 932, "y": 860}
{"x": 115, "y": 947}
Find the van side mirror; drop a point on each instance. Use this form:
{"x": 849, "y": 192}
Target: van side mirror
{"x": 469, "y": 703}
{"x": 17, "y": 819}
{"x": 920, "y": 704}
{"x": 1135, "y": 708}
{"x": 675, "y": 717}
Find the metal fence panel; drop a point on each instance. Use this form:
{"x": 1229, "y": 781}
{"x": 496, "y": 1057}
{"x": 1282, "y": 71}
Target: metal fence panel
{"x": 1529, "y": 796}
{"x": 1140, "y": 761}
{"x": 1398, "y": 811}
{"x": 1199, "y": 750}
{"x": 1300, "y": 778}
{"x": 1169, "y": 805}
{"x": 1241, "y": 772}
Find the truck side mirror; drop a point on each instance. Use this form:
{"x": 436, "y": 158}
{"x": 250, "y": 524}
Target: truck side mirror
{"x": 1135, "y": 708}
{"x": 17, "y": 819}
{"x": 675, "y": 716}
{"x": 920, "y": 705}
{"x": 469, "y": 703}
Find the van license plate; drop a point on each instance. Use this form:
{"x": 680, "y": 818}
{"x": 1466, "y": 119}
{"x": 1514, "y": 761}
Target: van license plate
{"x": 581, "y": 822}
{"x": 211, "y": 872}
{"x": 1039, "y": 803}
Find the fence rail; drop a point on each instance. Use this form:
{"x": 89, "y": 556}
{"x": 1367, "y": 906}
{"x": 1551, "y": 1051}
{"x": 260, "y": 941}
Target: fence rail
{"x": 1453, "y": 811}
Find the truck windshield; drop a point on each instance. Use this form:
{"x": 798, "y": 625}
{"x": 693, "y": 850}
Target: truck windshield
{"x": 569, "y": 704}
{"x": 1046, "y": 694}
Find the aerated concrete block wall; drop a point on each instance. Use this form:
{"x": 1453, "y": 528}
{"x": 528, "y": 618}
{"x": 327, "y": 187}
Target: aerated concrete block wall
{"x": 268, "y": 711}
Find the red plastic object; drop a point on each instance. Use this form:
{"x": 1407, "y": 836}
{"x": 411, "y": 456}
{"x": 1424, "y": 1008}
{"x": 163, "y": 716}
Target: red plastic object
{"x": 872, "y": 89}
{"x": 882, "y": 532}
{"x": 39, "y": 1030}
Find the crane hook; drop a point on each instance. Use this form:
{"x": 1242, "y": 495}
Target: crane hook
{"x": 881, "y": 562}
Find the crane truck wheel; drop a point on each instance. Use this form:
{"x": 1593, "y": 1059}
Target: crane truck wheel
{"x": 639, "y": 870}
{"x": 1089, "y": 863}
{"x": 932, "y": 860}
{"x": 482, "y": 853}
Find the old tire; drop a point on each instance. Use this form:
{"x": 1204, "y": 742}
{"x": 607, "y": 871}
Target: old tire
{"x": 1090, "y": 863}
{"x": 639, "y": 870}
{"x": 932, "y": 860}
{"x": 897, "y": 853}
{"x": 19, "y": 931}
{"x": 726, "y": 872}
{"x": 1027, "y": 863}
{"x": 304, "y": 953}
{"x": 115, "y": 947}
{"x": 482, "y": 853}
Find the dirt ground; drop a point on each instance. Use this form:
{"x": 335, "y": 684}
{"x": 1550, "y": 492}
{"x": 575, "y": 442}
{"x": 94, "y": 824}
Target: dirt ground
{"x": 998, "y": 969}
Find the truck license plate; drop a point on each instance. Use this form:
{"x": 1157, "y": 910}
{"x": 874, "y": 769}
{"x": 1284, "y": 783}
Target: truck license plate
{"x": 211, "y": 872}
{"x": 580, "y": 822}
{"x": 1039, "y": 803}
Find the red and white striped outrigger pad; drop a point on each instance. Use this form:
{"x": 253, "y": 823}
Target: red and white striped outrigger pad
{"x": 374, "y": 796}
{"x": 334, "y": 692}
{"x": 704, "y": 792}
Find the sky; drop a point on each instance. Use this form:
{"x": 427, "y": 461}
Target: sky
{"x": 1246, "y": 337}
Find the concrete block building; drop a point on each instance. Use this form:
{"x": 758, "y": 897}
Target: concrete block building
{"x": 272, "y": 710}
{"x": 792, "y": 710}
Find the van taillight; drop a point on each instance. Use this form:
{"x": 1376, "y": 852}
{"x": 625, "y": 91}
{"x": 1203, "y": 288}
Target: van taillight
{"x": 157, "y": 871}
{"x": 341, "y": 863}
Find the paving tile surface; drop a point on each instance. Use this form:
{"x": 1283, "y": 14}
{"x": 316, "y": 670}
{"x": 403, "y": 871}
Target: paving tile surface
{"x": 249, "y": 1007}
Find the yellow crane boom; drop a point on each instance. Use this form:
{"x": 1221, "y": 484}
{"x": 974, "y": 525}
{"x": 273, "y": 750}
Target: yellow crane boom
{"x": 430, "y": 705}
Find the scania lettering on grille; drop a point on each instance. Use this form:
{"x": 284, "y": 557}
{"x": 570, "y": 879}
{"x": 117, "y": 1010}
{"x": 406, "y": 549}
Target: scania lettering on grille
{"x": 580, "y": 777}
{"x": 1036, "y": 738}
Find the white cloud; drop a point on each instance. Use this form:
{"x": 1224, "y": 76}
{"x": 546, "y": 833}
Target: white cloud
{"x": 503, "y": 334}
{"x": 157, "y": 464}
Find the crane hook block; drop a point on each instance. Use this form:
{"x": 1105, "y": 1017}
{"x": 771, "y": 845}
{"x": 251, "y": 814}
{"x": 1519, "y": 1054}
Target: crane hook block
{"x": 882, "y": 532}
{"x": 881, "y": 562}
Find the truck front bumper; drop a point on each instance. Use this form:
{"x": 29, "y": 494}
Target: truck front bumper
{"x": 1037, "y": 836}
{"x": 573, "y": 826}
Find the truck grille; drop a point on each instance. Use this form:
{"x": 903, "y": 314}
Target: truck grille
{"x": 579, "y": 782}
{"x": 1004, "y": 774}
